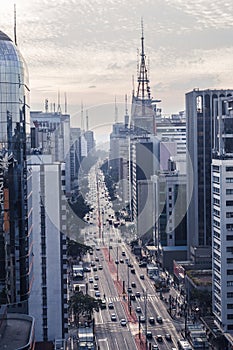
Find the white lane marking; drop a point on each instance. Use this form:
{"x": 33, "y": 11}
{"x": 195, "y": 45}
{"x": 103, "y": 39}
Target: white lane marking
{"x": 117, "y": 344}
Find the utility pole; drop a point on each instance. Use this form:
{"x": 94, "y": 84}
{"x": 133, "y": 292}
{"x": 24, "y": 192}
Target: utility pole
{"x": 145, "y": 303}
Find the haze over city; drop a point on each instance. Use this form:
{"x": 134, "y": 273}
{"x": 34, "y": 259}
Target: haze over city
{"x": 88, "y": 49}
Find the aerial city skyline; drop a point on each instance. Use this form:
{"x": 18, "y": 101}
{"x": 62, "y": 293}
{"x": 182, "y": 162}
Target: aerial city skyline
{"x": 127, "y": 245}
{"x": 89, "y": 51}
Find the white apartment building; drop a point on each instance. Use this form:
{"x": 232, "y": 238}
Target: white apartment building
{"x": 48, "y": 299}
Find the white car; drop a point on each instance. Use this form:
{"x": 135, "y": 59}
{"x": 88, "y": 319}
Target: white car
{"x": 123, "y": 322}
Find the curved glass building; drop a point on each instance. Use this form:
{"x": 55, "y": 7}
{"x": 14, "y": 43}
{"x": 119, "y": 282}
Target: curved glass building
{"x": 14, "y": 89}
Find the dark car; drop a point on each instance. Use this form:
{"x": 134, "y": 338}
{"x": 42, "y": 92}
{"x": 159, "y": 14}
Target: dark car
{"x": 133, "y": 284}
{"x": 151, "y": 320}
{"x": 142, "y": 277}
{"x": 149, "y": 335}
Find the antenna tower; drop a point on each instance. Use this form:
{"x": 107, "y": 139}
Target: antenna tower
{"x": 15, "y": 33}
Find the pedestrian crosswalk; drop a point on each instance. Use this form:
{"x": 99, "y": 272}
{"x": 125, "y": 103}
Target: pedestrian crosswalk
{"x": 120, "y": 298}
{"x": 110, "y": 327}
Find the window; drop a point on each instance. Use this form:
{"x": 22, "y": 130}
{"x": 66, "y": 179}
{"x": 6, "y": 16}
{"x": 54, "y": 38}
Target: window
{"x": 216, "y": 190}
{"x": 229, "y": 168}
{"x": 229, "y": 283}
{"x": 216, "y": 212}
{"x": 216, "y": 201}
{"x": 229, "y": 249}
{"x": 229, "y": 191}
{"x": 230, "y": 295}
{"x": 215, "y": 168}
{"x": 229, "y": 179}
{"x": 230, "y": 306}
{"x": 229, "y": 203}
{"x": 230, "y": 316}
{"x": 230, "y": 260}
{"x": 229, "y": 214}
{"x": 229, "y": 272}
{"x": 216, "y": 179}
{"x": 229, "y": 227}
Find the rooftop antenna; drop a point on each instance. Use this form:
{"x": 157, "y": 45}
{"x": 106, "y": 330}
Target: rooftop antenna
{"x": 46, "y": 105}
{"x": 87, "y": 121}
{"x": 148, "y": 67}
{"x": 65, "y": 103}
{"x": 137, "y": 61}
{"x": 116, "y": 111}
{"x": 82, "y": 121}
{"x": 133, "y": 84}
{"x": 126, "y": 106}
{"x": 58, "y": 103}
{"x": 15, "y": 36}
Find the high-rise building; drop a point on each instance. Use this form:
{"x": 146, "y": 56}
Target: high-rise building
{"x": 48, "y": 299}
{"x": 222, "y": 213}
{"x": 15, "y": 224}
{"x": 51, "y": 134}
{"x": 200, "y": 136}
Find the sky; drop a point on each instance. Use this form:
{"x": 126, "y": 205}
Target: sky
{"x": 88, "y": 50}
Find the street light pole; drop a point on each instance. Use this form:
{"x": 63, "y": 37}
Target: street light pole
{"x": 145, "y": 302}
{"x": 117, "y": 264}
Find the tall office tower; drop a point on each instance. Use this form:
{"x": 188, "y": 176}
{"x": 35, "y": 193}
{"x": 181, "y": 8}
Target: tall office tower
{"x": 222, "y": 214}
{"x": 143, "y": 109}
{"x": 75, "y": 155}
{"x": 89, "y": 136}
{"x": 200, "y": 123}
{"x": 15, "y": 223}
{"x": 51, "y": 134}
{"x": 48, "y": 299}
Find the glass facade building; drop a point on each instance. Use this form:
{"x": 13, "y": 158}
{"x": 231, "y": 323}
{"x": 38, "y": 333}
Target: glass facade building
{"x": 14, "y": 90}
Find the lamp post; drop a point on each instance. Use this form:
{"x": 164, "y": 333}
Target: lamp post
{"x": 117, "y": 265}
{"x": 145, "y": 304}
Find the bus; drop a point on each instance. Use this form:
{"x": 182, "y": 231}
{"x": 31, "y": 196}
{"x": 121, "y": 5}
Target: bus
{"x": 183, "y": 345}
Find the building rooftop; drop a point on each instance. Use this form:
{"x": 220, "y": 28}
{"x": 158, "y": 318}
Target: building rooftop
{"x": 17, "y": 332}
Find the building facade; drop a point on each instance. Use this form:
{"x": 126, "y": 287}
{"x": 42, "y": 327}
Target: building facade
{"x": 48, "y": 300}
{"x": 200, "y": 137}
{"x": 15, "y": 242}
{"x": 222, "y": 214}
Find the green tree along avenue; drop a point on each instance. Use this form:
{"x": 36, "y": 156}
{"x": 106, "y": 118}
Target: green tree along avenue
{"x": 83, "y": 305}
{"x": 76, "y": 249}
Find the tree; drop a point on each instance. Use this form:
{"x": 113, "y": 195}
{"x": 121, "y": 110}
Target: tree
{"x": 83, "y": 305}
{"x": 75, "y": 249}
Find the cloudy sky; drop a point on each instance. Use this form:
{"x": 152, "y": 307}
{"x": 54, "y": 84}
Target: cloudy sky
{"x": 88, "y": 49}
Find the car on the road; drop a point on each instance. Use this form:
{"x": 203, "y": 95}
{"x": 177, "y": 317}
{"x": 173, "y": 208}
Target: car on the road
{"x": 159, "y": 338}
{"x": 138, "y": 294}
{"x": 96, "y": 277}
{"x": 138, "y": 309}
{"x": 159, "y": 319}
{"x": 113, "y": 317}
{"x": 95, "y": 286}
{"x": 121, "y": 261}
{"x": 110, "y": 306}
{"x": 91, "y": 280}
{"x": 155, "y": 347}
{"x": 151, "y": 320}
{"x": 168, "y": 336}
{"x": 117, "y": 262}
{"x": 149, "y": 335}
{"x": 133, "y": 284}
{"x": 142, "y": 319}
{"x": 97, "y": 248}
{"x": 130, "y": 264}
{"x": 100, "y": 267}
{"x": 92, "y": 263}
{"x": 132, "y": 297}
{"x": 86, "y": 269}
{"x": 95, "y": 268}
{"x": 97, "y": 258}
{"x": 129, "y": 290}
{"x": 123, "y": 253}
{"x": 123, "y": 322}
{"x": 142, "y": 277}
{"x": 97, "y": 294}
{"x": 142, "y": 264}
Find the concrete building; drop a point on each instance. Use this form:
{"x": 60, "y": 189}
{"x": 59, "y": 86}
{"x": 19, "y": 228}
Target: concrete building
{"x": 48, "y": 300}
{"x": 51, "y": 135}
{"x": 222, "y": 213}
{"x": 200, "y": 137}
